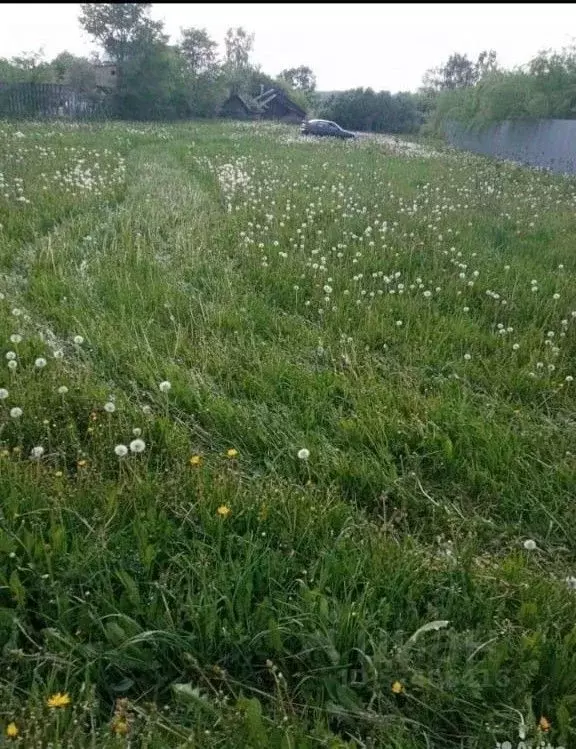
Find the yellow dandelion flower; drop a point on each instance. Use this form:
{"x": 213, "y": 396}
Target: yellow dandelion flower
{"x": 232, "y": 453}
{"x": 196, "y": 460}
{"x": 60, "y": 699}
{"x": 544, "y": 724}
{"x": 223, "y": 511}
{"x": 397, "y": 687}
{"x": 12, "y": 730}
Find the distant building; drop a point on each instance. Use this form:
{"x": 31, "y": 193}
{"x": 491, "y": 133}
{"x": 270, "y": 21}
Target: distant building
{"x": 106, "y": 75}
{"x": 237, "y": 108}
{"x": 274, "y": 104}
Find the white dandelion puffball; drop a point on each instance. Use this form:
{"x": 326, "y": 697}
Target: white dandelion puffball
{"x": 37, "y": 452}
{"x": 3, "y": 394}
{"x": 467, "y": 357}
{"x": 137, "y": 446}
{"x": 16, "y": 412}
{"x": 10, "y": 355}
{"x": 109, "y": 407}
{"x": 12, "y": 364}
{"x": 136, "y": 431}
{"x": 40, "y": 363}
{"x": 58, "y": 354}
{"x": 529, "y": 544}
{"x": 303, "y": 454}
{"x": 62, "y": 389}
{"x": 16, "y": 338}
{"x": 165, "y": 386}
{"x": 121, "y": 450}
{"x": 78, "y": 339}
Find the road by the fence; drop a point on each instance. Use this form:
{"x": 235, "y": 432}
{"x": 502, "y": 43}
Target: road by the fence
{"x": 543, "y": 143}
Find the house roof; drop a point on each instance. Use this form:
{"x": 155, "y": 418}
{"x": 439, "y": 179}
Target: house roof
{"x": 265, "y": 98}
{"x": 260, "y": 103}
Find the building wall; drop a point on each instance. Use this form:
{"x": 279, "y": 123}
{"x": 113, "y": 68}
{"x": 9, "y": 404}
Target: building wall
{"x": 106, "y": 75}
{"x": 542, "y": 143}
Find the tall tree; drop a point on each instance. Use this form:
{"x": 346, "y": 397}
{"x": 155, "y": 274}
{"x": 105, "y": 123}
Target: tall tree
{"x": 198, "y": 50}
{"x": 301, "y": 78}
{"x": 460, "y": 72}
{"x": 77, "y": 72}
{"x": 238, "y": 44}
{"x": 120, "y": 27}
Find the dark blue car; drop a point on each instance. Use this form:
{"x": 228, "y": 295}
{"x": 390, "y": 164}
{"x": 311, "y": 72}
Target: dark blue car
{"x": 324, "y": 127}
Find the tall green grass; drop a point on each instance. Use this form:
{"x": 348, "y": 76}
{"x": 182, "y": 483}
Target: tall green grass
{"x": 405, "y": 316}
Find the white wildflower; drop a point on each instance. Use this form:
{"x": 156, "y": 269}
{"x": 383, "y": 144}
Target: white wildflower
{"x": 37, "y": 452}
{"x": 40, "y": 362}
{"x": 3, "y": 394}
{"x": 303, "y": 454}
{"x": 165, "y": 386}
{"x": 10, "y": 355}
{"x": 121, "y": 450}
{"x": 16, "y": 412}
{"x": 529, "y": 544}
{"x": 62, "y": 389}
{"x": 16, "y": 338}
{"x": 78, "y": 340}
{"x": 137, "y": 446}
{"x": 109, "y": 407}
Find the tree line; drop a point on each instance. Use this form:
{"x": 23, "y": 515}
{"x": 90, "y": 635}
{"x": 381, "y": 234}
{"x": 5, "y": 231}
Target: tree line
{"x": 157, "y": 80}
{"x": 477, "y": 93}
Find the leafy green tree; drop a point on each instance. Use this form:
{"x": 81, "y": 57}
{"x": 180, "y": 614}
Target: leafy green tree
{"x": 301, "y": 78}
{"x": 76, "y": 72}
{"x": 198, "y": 50}
{"x": 460, "y": 72}
{"x": 120, "y": 28}
{"x": 238, "y": 44}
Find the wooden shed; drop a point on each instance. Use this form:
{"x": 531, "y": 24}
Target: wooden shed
{"x": 237, "y": 108}
{"x": 274, "y": 104}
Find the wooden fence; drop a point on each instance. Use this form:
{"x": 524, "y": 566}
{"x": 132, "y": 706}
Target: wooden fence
{"x": 21, "y": 100}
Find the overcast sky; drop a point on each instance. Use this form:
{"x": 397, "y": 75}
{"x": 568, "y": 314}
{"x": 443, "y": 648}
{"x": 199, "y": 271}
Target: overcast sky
{"x": 385, "y": 46}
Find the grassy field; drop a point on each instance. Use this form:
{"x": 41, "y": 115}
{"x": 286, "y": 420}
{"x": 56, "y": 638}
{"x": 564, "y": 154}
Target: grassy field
{"x": 287, "y": 442}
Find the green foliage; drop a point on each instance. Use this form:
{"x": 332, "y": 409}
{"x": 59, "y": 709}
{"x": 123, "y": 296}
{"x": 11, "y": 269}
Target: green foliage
{"x": 459, "y": 72}
{"x": 198, "y": 50}
{"x": 363, "y": 109}
{"x": 301, "y": 78}
{"x": 545, "y": 88}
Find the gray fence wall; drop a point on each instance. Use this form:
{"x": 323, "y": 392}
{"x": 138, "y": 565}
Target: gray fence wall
{"x": 48, "y": 100}
{"x": 545, "y": 143}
